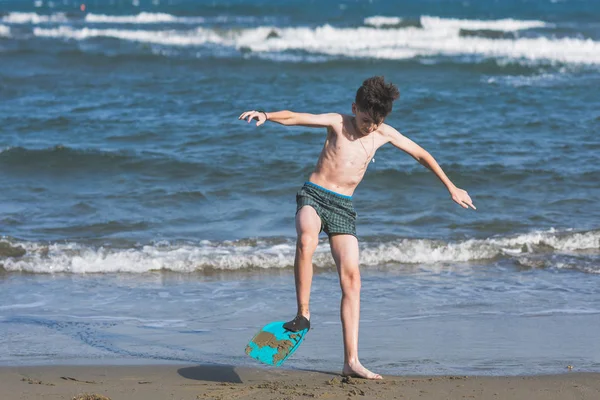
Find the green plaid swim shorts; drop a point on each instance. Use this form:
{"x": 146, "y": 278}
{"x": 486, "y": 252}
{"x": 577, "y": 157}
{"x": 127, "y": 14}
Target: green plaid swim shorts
{"x": 335, "y": 210}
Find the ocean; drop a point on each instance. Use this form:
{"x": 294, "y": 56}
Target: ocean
{"x": 142, "y": 222}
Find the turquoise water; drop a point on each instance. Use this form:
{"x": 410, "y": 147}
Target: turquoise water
{"x": 139, "y": 199}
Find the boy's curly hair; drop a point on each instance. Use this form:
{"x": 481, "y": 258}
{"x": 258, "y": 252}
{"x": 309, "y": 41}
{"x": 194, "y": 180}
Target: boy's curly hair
{"x": 375, "y": 97}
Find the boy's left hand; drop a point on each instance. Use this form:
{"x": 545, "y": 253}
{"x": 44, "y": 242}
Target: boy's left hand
{"x": 461, "y": 197}
{"x": 259, "y": 116}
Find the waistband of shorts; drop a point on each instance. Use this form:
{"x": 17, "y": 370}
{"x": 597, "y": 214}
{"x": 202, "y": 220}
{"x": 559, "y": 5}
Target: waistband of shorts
{"x": 331, "y": 192}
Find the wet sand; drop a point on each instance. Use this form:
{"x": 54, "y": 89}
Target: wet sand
{"x": 227, "y": 382}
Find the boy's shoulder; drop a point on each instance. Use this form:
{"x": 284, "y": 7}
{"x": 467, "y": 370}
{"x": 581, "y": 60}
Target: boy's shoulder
{"x": 388, "y": 130}
{"x": 338, "y": 120}
{"x": 388, "y": 133}
{"x": 335, "y": 118}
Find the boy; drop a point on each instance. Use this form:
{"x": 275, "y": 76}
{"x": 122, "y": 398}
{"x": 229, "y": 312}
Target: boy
{"x": 325, "y": 201}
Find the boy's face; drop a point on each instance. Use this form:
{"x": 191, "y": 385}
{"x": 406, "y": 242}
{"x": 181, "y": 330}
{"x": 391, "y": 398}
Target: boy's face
{"x": 364, "y": 122}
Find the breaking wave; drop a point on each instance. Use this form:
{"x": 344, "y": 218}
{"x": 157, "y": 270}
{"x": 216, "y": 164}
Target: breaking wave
{"x": 141, "y": 18}
{"x": 33, "y": 18}
{"x": 379, "y": 37}
{"x": 548, "y": 249}
{"x": 436, "y": 37}
{"x": 4, "y": 30}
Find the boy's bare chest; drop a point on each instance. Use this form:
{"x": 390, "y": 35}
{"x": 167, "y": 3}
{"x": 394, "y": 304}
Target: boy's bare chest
{"x": 348, "y": 148}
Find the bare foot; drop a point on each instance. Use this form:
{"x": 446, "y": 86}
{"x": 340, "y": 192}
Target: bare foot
{"x": 356, "y": 370}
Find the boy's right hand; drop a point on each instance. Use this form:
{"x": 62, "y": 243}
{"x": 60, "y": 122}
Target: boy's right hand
{"x": 260, "y": 116}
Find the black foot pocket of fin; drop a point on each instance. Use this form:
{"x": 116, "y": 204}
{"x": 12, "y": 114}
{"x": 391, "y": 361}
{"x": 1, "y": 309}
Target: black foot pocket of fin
{"x": 297, "y": 324}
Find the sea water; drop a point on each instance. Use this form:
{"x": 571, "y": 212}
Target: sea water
{"x": 142, "y": 222}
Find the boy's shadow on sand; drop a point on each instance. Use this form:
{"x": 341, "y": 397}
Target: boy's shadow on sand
{"x": 212, "y": 373}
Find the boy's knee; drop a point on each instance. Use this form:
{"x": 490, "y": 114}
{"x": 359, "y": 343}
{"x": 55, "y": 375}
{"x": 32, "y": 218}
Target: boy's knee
{"x": 350, "y": 282}
{"x": 307, "y": 243}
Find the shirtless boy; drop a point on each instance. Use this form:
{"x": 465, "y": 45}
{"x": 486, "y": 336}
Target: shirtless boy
{"x": 324, "y": 203}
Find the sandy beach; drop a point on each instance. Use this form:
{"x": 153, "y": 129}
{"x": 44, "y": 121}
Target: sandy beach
{"x": 228, "y": 382}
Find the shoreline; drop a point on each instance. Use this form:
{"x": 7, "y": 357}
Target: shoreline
{"x": 222, "y": 382}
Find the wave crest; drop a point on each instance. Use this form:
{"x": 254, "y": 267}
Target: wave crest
{"x": 141, "y": 18}
{"x": 438, "y": 37}
{"x": 33, "y": 18}
{"x": 279, "y": 253}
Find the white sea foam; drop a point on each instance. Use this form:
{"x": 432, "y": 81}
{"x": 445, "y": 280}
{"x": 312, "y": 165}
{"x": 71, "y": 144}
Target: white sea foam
{"x": 141, "y": 18}
{"x": 428, "y": 251}
{"x": 75, "y": 258}
{"x": 541, "y": 80}
{"x": 231, "y": 256}
{"x": 33, "y": 18}
{"x": 506, "y": 25}
{"x": 362, "y": 42}
{"x": 290, "y": 58}
{"x": 21, "y": 306}
{"x": 4, "y": 31}
{"x": 171, "y": 37}
{"x": 379, "y": 21}
{"x": 436, "y": 23}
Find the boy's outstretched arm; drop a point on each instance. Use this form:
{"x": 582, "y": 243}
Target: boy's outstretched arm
{"x": 460, "y": 196}
{"x": 290, "y": 118}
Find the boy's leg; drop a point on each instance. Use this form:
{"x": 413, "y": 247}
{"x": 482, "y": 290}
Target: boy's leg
{"x": 308, "y": 226}
{"x": 344, "y": 249}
